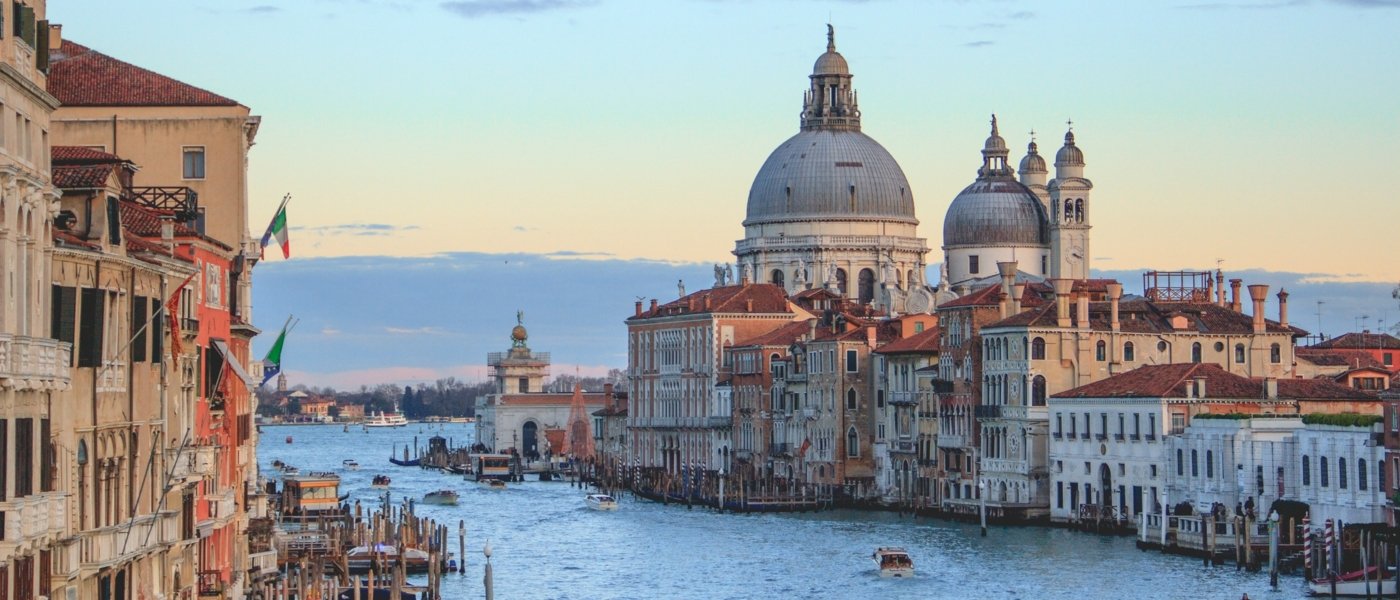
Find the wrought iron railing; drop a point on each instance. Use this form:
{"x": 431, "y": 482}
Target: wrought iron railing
{"x": 182, "y": 201}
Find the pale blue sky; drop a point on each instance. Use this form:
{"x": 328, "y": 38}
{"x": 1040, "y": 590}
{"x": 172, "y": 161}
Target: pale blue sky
{"x": 1257, "y": 132}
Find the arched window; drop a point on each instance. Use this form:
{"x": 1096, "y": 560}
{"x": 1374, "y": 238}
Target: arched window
{"x": 909, "y": 277}
{"x": 852, "y": 442}
{"x": 1128, "y": 354}
{"x": 1069, "y": 210}
{"x": 1079, "y": 210}
{"x": 1101, "y": 351}
{"x": 866, "y": 286}
{"x": 1239, "y": 354}
{"x": 1038, "y": 391}
{"x": 1210, "y": 464}
{"x": 1195, "y": 466}
{"x": 1307, "y": 471}
{"x": 1038, "y": 349}
{"x": 1275, "y": 354}
{"x": 1162, "y": 346}
{"x": 777, "y": 278}
{"x": 1181, "y": 464}
{"x": 1322, "y": 472}
{"x": 1196, "y": 352}
{"x": 1341, "y": 473}
{"x": 1361, "y": 474}
{"x": 841, "y": 281}
{"x": 851, "y": 399}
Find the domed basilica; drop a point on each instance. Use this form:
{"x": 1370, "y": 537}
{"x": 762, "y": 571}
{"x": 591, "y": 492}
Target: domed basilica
{"x": 832, "y": 208}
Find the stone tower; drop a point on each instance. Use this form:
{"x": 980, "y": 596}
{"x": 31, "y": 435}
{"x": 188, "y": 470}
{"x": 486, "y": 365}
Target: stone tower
{"x": 1069, "y": 214}
{"x": 519, "y": 370}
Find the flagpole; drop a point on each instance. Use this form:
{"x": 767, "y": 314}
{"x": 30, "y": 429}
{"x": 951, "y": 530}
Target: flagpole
{"x": 159, "y": 311}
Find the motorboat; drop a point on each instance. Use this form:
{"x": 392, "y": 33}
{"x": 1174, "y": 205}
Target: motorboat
{"x": 278, "y": 464}
{"x": 440, "y": 497}
{"x": 380, "y": 482}
{"x": 359, "y": 558}
{"x": 1357, "y": 584}
{"x": 495, "y": 484}
{"x": 389, "y": 419}
{"x": 350, "y": 464}
{"x": 600, "y": 502}
{"x": 893, "y": 562}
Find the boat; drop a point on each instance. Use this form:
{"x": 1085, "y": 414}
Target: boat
{"x": 440, "y": 497}
{"x": 289, "y": 470}
{"x": 278, "y": 464}
{"x": 1356, "y": 584}
{"x": 893, "y": 562}
{"x": 406, "y": 461}
{"x": 380, "y": 482}
{"x": 495, "y": 484}
{"x": 600, "y": 502}
{"x": 383, "y": 419}
{"x": 359, "y": 558}
{"x": 289, "y": 439}
{"x": 350, "y": 464}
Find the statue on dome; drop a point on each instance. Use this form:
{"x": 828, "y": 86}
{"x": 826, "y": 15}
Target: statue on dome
{"x": 745, "y": 273}
{"x": 728, "y": 273}
{"x": 719, "y": 275}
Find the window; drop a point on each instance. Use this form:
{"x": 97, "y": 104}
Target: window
{"x": 1103, "y": 425}
{"x": 1195, "y": 466}
{"x": 1073, "y": 425}
{"x": 1307, "y": 471}
{"x": 1239, "y": 354}
{"x": 918, "y": 328}
{"x": 139, "y": 313}
{"x": 4, "y": 462}
{"x": 1388, "y": 359}
{"x": 851, "y": 399}
{"x": 1151, "y": 426}
{"x": 1101, "y": 351}
{"x": 1137, "y": 425}
{"x": 777, "y": 277}
{"x": 851, "y": 362}
{"x": 879, "y": 398}
{"x": 1038, "y": 349}
{"x": 1275, "y": 354}
{"x": 24, "y": 457}
{"x": 852, "y": 443}
{"x": 1322, "y": 471}
{"x": 1059, "y": 425}
{"x": 1161, "y": 346}
{"x": 1196, "y": 352}
{"x": 1220, "y": 346}
{"x": 91, "y": 327}
{"x": 1038, "y": 390}
{"x": 1181, "y": 464}
{"x": 114, "y": 221}
{"x": 972, "y": 264}
{"x": 1341, "y": 473}
{"x": 1361, "y": 474}
{"x": 1154, "y": 470}
{"x": 1128, "y": 354}
{"x": 194, "y": 162}
{"x": 1210, "y": 464}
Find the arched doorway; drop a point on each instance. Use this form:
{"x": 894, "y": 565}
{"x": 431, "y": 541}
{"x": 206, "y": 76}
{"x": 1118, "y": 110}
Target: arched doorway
{"x": 1106, "y": 484}
{"x": 777, "y": 278}
{"x": 1073, "y": 498}
{"x": 866, "y": 286}
{"x": 529, "y": 438}
{"x": 841, "y": 281}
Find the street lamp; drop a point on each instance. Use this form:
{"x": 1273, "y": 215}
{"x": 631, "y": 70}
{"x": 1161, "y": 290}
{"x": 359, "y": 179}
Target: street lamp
{"x": 490, "y": 592}
{"x": 982, "y": 505}
{"x": 1273, "y": 549}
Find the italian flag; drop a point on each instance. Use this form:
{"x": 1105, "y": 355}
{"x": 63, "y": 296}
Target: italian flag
{"x": 278, "y": 229}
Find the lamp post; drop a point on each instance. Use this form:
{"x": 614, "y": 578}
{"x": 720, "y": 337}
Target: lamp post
{"x": 982, "y": 505}
{"x": 1273, "y": 549}
{"x": 490, "y": 592}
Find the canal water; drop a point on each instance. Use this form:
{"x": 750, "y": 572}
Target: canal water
{"x": 546, "y": 544}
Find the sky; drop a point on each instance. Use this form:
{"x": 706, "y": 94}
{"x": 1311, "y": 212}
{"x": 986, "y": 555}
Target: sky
{"x": 619, "y": 138}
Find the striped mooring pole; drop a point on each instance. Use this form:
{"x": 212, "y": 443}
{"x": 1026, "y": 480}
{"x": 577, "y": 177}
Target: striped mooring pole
{"x": 1307, "y": 547}
{"x": 1327, "y": 546}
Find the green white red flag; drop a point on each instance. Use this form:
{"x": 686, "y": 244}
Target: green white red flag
{"x": 278, "y": 229}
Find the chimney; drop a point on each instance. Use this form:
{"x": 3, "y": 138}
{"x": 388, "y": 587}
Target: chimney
{"x": 748, "y": 305}
{"x": 870, "y": 336}
{"x": 1007, "y": 270}
{"x": 653, "y": 305}
{"x": 1190, "y": 389}
{"x": 639, "y": 308}
{"x": 1018, "y": 291}
{"x": 1235, "y": 294}
{"x": 1083, "y": 298}
{"x": 1062, "y": 289}
{"x": 55, "y": 36}
{"x": 1259, "y": 293}
{"x": 1219, "y": 288}
{"x": 1283, "y": 307}
{"x": 1200, "y": 387}
{"x": 608, "y": 396}
{"x": 1004, "y": 303}
{"x": 1270, "y": 388}
{"x": 1115, "y": 293}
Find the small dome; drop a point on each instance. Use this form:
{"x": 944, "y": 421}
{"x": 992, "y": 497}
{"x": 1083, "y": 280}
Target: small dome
{"x": 995, "y": 211}
{"x": 518, "y": 334}
{"x": 1069, "y": 154}
{"x": 831, "y": 63}
{"x": 1033, "y": 162}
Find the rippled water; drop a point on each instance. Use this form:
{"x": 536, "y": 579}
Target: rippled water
{"x": 546, "y": 544}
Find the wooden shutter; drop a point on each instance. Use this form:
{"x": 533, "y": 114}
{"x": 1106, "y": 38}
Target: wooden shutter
{"x": 138, "y": 328}
{"x": 4, "y": 459}
{"x": 91, "y": 327}
{"x": 114, "y": 221}
{"x": 41, "y": 49}
{"x": 46, "y": 457}
{"x": 157, "y": 332}
{"x": 24, "y": 457}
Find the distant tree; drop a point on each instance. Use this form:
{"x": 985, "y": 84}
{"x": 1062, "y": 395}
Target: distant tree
{"x": 334, "y": 411}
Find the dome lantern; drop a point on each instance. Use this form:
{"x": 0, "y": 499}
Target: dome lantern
{"x": 830, "y": 103}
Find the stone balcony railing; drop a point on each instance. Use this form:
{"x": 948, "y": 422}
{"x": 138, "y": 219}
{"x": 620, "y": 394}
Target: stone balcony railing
{"x": 33, "y": 516}
{"x": 221, "y": 506}
{"x": 904, "y": 446}
{"x": 263, "y": 563}
{"x": 719, "y": 422}
{"x": 111, "y": 376}
{"x": 29, "y": 363}
{"x": 801, "y": 242}
{"x": 116, "y": 544}
{"x": 1001, "y": 465}
{"x": 951, "y": 440}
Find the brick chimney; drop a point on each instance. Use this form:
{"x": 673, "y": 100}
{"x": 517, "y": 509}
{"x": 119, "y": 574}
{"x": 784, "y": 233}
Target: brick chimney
{"x": 1115, "y": 293}
{"x": 1235, "y": 294}
{"x": 1259, "y": 294}
{"x": 1007, "y": 270}
{"x": 1219, "y": 288}
{"x": 653, "y": 305}
{"x": 608, "y": 397}
{"x": 639, "y": 308}
{"x": 1062, "y": 289}
{"x": 1270, "y": 388}
{"x": 1283, "y": 307}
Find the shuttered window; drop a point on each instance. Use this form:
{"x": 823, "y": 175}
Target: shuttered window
{"x": 46, "y": 457}
{"x": 157, "y": 333}
{"x": 213, "y": 371}
{"x": 90, "y": 327}
{"x": 139, "y": 313}
{"x": 114, "y": 221}
{"x": 24, "y": 457}
{"x": 4, "y": 459}
{"x": 65, "y": 307}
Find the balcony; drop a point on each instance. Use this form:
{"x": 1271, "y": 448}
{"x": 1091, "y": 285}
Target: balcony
{"x": 1084, "y": 436}
{"x": 779, "y": 449}
{"x": 987, "y": 411}
{"x": 28, "y": 363}
{"x": 1118, "y": 437}
{"x": 263, "y": 563}
{"x": 33, "y": 516}
{"x": 907, "y": 398}
{"x": 1057, "y": 435}
{"x": 950, "y": 440}
{"x": 719, "y": 422}
{"x": 211, "y": 583}
{"x": 182, "y": 201}
{"x": 1101, "y": 437}
{"x": 116, "y": 544}
{"x": 994, "y": 465}
{"x": 904, "y": 446}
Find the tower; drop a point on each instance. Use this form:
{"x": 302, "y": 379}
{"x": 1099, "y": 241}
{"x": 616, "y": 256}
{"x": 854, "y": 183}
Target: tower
{"x": 1069, "y": 214}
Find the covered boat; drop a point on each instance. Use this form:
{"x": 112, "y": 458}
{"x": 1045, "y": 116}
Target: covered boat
{"x": 495, "y": 484}
{"x": 440, "y": 497}
{"x": 600, "y": 502}
{"x": 350, "y": 464}
{"x": 380, "y": 482}
{"x": 893, "y": 562}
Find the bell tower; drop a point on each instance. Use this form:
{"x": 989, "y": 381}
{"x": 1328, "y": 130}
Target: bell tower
{"x": 1069, "y": 213}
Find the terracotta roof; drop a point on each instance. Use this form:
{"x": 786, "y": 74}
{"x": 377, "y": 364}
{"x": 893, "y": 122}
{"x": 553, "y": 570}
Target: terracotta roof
{"x": 767, "y": 298}
{"x": 1036, "y": 294}
{"x": 620, "y": 411}
{"x": 80, "y": 76}
{"x": 919, "y": 343}
{"x": 1360, "y": 341}
{"x": 63, "y": 238}
{"x": 146, "y": 221}
{"x": 82, "y": 177}
{"x": 1144, "y": 316}
{"x": 66, "y": 155}
{"x": 564, "y": 399}
{"x": 1337, "y": 358}
{"x": 782, "y": 336}
{"x": 1168, "y": 381}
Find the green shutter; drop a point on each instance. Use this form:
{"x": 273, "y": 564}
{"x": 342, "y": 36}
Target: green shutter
{"x": 138, "y": 329}
{"x": 91, "y": 327}
{"x": 41, "y": 49}
{"x": 157, "y": 332}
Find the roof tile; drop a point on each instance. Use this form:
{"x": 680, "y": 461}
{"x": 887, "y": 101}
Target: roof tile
{"x": 80, "y": 76}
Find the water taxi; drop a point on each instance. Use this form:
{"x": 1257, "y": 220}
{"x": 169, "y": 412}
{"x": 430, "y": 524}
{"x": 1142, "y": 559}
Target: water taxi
{"x": 893, "y": 562}
{"x": 600, "y": 502}
{"x": 440, "y": 497}
{"x": 350, "y": 464}
{"x": 495, "y": 484}
{"x": 380, "y": 482}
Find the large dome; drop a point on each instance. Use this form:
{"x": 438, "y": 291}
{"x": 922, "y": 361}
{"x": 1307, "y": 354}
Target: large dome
{"x": 996, "y": 211}
{"x": 830, "y": 175}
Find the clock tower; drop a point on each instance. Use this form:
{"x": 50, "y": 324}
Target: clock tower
{"x": 1069, "y": 214}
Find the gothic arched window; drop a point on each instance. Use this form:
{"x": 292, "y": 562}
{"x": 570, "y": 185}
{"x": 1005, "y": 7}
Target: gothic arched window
{"x": 851, "y": 399}
{"x": 852, "y": 442}
{"x": 1239, "y": 353}
{"x": 841, "y": 281}
{"x": 1101, "y": 351}
{"x": 1275, "y": 354}
{"x": 1196, "y": 352}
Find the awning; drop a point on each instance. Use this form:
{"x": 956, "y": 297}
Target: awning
{"x": 232, "y": 362}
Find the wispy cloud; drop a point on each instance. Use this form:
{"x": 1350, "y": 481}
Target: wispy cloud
{"x": 1247, "y": 5}
{"x": 330, "y": 331}
{"x": 472, "y": 9}
{"x": 414, "y": 331}
{"x": 1369, "y": 3}
{"x": 979, "y": 43}
{"x": 1021, "y": 15}
{"x": 356, "y": 229}
{"x": 262, "y": 9}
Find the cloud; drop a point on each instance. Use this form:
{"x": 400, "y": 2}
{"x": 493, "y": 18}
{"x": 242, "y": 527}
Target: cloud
{"x": 330, "y": 331}
{"x": 979, "y": 43}
{"x": 414, "y": 331}
{"x": 262, "y": 9}
{"x": 374, "y": 229}
{"x": 1246, "y": 5}
{"x": 1369, "y": 3}
{"x": 1021, "y": 14}
{"x": 472, "y": 9}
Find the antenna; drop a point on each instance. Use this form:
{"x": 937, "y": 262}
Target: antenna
{"x": 1320, "y": 336}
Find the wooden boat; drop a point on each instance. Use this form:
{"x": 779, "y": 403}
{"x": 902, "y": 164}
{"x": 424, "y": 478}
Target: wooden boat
{"x": 600, "y": 502}
{"x": 360, "y": 557}
{"x": 893, "y": 562}
{"x": 1356, "y": 584}
{"x": 278, "y": 464}
{"x": 350, "y": 464}
{"x": 380, "y": 482}
{"x": 441, "y": 497}
{"x": 495, "y": 484}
